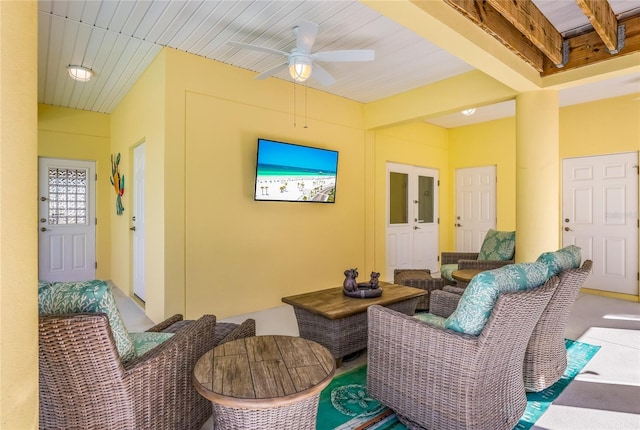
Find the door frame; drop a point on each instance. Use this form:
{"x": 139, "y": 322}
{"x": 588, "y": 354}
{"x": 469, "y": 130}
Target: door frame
{"x": 43, "y": 205}
{"x": 481, "y": 222}
{"x": 598, "y": 218}
{"x": 399, "y": 258}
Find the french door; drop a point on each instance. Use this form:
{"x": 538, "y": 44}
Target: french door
{"x": 67, "y": 220}
{"x": 138, "y": 221}
{"x": 600, "y": 215}
{"x": 412, "y": 218}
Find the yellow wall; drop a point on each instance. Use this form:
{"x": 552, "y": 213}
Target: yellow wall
{"x": 83, "y": 135}
{"x": 241, "y": 255}
{"x": 486, "y": 144}
{"x": 602, "y": 127}
{"x": 18, "y": 216}
{"x": 139, "y": 118}
{"x": 418, "y": 144}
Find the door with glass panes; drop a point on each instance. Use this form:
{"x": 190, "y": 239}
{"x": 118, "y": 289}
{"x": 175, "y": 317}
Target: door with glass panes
{"x": 412, "y": 218}
{"x": 66, "y": 220}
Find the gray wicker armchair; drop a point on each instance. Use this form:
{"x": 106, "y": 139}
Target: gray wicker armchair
{"x": 441, "y": 379}
{"x": 85, "y": 385}
{"x": 495, "y": 245}
{"x": 546, "y": 355}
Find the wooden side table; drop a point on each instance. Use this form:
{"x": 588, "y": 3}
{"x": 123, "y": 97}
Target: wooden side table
{"x": 264, "y": 382}
{"x": 464, "y": 276}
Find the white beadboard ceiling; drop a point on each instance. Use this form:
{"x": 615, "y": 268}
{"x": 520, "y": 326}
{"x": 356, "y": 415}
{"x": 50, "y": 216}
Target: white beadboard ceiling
{"x": 119, "y": 39}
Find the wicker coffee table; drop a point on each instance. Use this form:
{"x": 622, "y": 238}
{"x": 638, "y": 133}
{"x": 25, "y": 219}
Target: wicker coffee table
{"x": 264, "y": 382}
{"x": 339, "y": 323}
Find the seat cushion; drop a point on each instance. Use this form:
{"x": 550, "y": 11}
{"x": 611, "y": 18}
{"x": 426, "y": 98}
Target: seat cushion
{"x": 476, "y": 303}
{"x": 563, "y": 259}
{"x": 431, "y": 319}
{"x": 446, "y": 271}
{"x": 58, "y": 298}
{"x": 146, "y": 341}
{"x": 498, "y": 245}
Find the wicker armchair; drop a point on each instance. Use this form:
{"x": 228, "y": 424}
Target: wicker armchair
{"x": 469, "y": 260}
{"x": 85, "y": 385}
{"x": 441, "y": 379}
{"x": 546, "y": 356}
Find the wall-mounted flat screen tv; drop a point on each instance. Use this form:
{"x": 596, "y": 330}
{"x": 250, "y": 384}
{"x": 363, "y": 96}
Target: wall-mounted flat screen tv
{"x": 287, "y": 172}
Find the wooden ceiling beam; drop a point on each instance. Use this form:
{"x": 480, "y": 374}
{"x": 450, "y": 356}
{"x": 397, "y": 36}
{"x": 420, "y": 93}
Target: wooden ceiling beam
{"x": 487, "y": 18}
{"x": 603, "y": 21}
{"x": 589, "y": 48}
{"x": 531, "y": 22}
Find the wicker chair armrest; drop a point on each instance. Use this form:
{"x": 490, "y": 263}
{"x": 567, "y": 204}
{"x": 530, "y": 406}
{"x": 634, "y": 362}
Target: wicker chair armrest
{"x": 443, "y": 303}
{"x": 393, "y": 332}
{"x": 161, "y": 379}
{"x": 454, "y": 257}
{"x": 246, "y": 329}
{"x": 198, "y": 332}
{"x": 483, "y": 264}
{"x": 166, "y": 323}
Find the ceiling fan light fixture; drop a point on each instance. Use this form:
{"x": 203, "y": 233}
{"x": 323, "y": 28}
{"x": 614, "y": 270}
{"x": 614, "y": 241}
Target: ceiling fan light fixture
{"x": 299, "y": 67}
{"x": 80, "y": 73}
{"x": 469, "y": 112}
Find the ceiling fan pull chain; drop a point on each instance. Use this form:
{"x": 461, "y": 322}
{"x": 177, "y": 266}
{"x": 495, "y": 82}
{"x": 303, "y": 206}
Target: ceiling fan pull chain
{"x": 305, "y": 105}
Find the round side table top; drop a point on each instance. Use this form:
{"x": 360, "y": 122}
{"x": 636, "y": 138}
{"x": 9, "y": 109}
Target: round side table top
{"x": 465, "y": 275}
{"x": 263, "y": 371}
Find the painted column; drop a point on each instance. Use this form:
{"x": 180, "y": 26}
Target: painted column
{"x": 537, "y": 174}
{"x": 18, "y": 215}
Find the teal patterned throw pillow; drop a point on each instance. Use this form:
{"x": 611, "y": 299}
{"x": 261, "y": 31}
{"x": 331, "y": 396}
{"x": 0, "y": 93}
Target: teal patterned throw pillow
{"x": 59, "y": 298}
{"x": 498, "y": 245}
{"x": 476, "y": 303}
{"x": 563, "y": 259}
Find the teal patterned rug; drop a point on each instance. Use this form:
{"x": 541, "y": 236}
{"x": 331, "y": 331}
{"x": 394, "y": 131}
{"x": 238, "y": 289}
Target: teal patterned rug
{"x": 345, "y": 404}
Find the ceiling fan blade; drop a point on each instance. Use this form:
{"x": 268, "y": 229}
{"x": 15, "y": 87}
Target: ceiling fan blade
{"x": 322, "y": 76}
{"x": 272, "y": 71}
{"x": 345, "y": 55}
{"x": 258, "y": 48}
{"x": 306, "y": 33}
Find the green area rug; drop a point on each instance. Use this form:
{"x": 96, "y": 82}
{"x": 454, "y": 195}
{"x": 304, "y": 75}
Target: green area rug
{"x": 345, "y": 404}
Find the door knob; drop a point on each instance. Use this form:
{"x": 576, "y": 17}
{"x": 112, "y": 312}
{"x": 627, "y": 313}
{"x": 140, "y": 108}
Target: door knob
{"x": 43, "y": 220}
{"x": 567, "y": 229}
{"x": 458, "y": 225}
{"x": 415, "y": 227}
{"x": 132, "y": 228}
{"x": 43, "y": 229}
{"x": 44, "y": 199}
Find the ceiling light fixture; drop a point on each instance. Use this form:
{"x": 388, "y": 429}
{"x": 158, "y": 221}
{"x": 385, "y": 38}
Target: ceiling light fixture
{"x": 299, "y": 67}
{"x": 469, "y": 112}
{"x": 80, "y": 73}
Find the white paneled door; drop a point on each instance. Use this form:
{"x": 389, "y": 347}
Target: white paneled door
{"x": 600, "y": 215}
{"x": 138, "y": 222}
{"x": 412, "y": 218}
{"x": 67, "y": 220}
{"x": 475, "y": 206}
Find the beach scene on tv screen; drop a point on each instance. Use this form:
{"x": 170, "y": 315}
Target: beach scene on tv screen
{"x": 295, "y": 173}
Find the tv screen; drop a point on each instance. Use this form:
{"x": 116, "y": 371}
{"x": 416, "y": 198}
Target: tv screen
{"x": 294, "y": 173}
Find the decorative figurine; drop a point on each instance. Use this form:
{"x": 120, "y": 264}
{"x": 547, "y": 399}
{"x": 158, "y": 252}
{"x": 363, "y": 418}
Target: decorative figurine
{"x": 361, "y": 290}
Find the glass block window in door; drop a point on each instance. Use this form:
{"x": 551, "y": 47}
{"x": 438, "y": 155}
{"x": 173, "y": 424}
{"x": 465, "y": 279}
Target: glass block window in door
{"x": 68, "y": 193}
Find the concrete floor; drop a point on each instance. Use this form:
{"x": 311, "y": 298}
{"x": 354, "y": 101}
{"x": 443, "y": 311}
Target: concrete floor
{"x": 605, "y": 395}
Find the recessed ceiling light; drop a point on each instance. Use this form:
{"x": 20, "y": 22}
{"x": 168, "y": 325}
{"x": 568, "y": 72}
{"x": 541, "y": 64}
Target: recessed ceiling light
{"x": 469, "y": 112}
{"x": 80, "y": 73}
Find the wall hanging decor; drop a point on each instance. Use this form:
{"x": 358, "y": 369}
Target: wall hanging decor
{"x": 117, "y": 181}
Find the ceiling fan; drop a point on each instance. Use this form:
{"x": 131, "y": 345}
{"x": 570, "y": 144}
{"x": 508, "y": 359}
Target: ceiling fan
{"x": 302, "y": 62}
